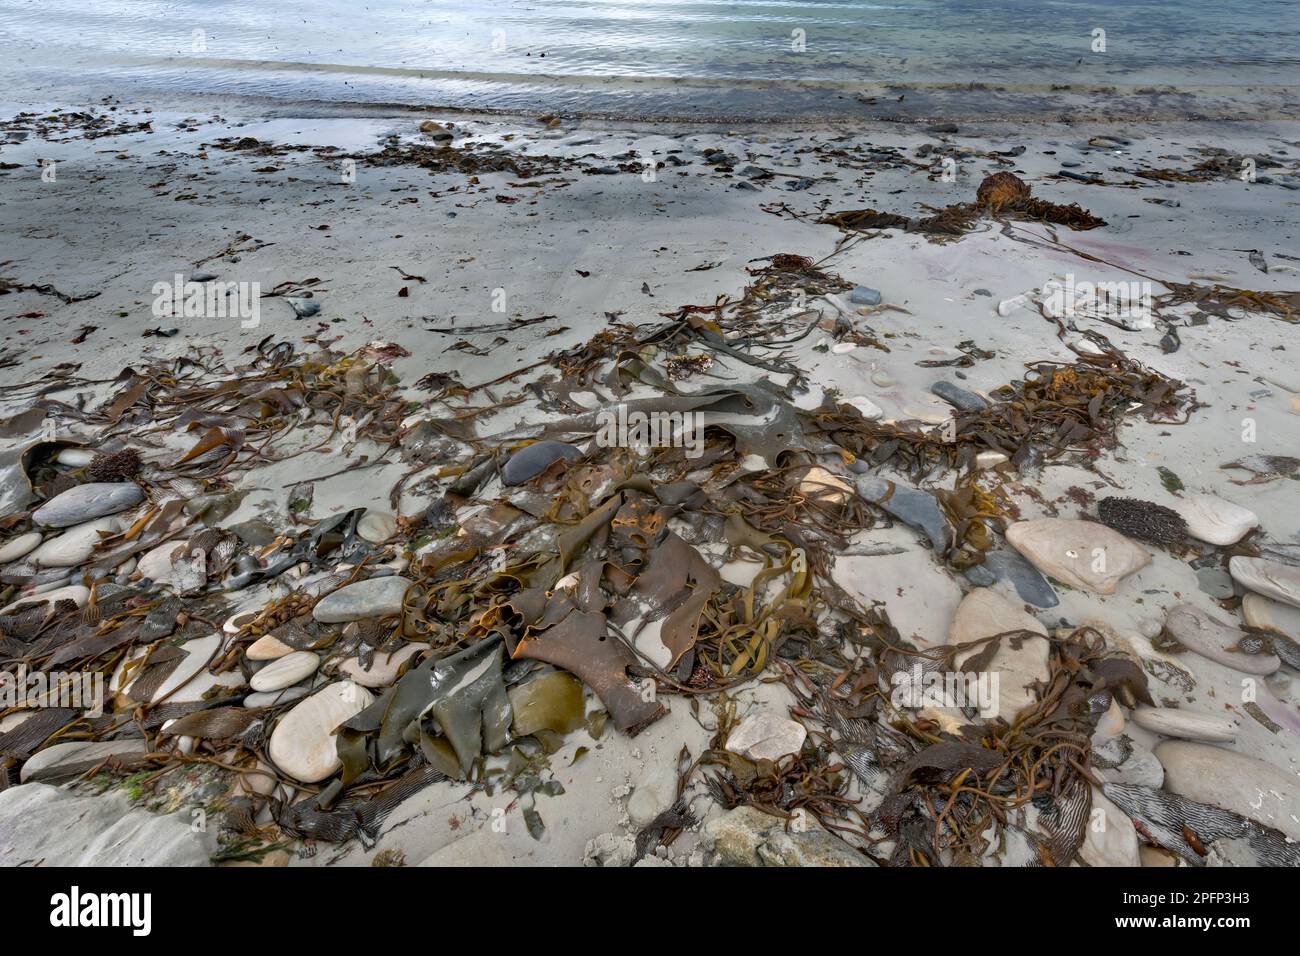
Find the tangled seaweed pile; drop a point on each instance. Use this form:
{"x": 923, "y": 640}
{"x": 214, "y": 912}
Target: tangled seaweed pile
{"x": 331, "y": 668}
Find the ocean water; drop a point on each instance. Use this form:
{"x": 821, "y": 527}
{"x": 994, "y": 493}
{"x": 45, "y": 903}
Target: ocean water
{"x": 698, "y": 59}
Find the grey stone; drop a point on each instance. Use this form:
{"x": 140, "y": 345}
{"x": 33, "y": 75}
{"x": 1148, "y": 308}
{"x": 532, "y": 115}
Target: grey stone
{"x": 375, "y": 597}
{"x": 1215, "y": 582}
{"x": 959, "y": 398}
{"x": 87, "y": 502}
{"x": 915, "y": 508}
{"x": 865, "y": 295}
{"x": 531, "y": 461}
{"x": 1011, "y": 566}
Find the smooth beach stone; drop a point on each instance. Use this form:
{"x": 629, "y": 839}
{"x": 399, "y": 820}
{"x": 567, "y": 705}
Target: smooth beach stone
{"x": 912, "y": 507}
{"x": 1111, "y": 840}
{"x": 869, "y": 409}
{"x": 1281, "y": 582}
{"x": 271, "y": 698}
{"x": 302, "y": 744}
{"x": 1110, "y": 725}
{"x": 71, "y": 759}
{"x": 267, "y": 648}
{"x": 843, "y": 348}
{"x": 1082, "y": 554}
{"x": 529, "y": 462}
{"x": 286, "y": 671}
{"x": 1011, "y": 566}
{"x": 1187, "y": 724}
{"x": 383, "y": 666}
{"x": 1211, "y": 637}
{"x": 156, "y": 564}
{"x": 1233, "y": 781}
{"x": 959, "y": 398}
{"x": 766, "y": 736}
{"x": 1124, "y": 760}
{"x": 197, "y": 654}
{"x": 824, "y": 486}
{"x": 77, "y": 593}
{"x": 75, "y": 545}
{"x": 1214, "y": 520}
{"x": 1270, "y": 615}
{"x": 20, "y": 546}
{"x": 865, "y": 295}
{"x": 882, "y": 379}
{"x": 377, "y": 526}
{"x": 87, "y": 502}
{"x": 983, "y": 613}
{"x": 374, "y": 597}
{"x": 990, "y": 459}
{"x": 75, "y": 457}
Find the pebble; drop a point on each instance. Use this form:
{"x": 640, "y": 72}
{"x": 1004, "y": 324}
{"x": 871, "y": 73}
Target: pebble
{"x": 374, "y": 597}
{"x": 377, "y": 526}
{"x": 1211, "y": 638}
{"x": 383, "y": 666}
{"x": 651, "y": 796}
{"x": 1187, "y": 724}
{"x": 1215, "y": 582}
{"x": 869, "y": 409}
{"x": 1082, "y": 554}
{"x": 843, "y": 348}
{"x": 1214, "y": 520}
{"x": 303, "y": 308}
{"x": 882, "y": 380}
{"x": 865, "y": 295}
{"x": 63, "y": 761}
{"x": 285, "y": 671}
{"x": 20, "y": 546}
{"x": 266, "y": 647}
{"x": 983, "y": 613}
{"x": 1233, "y": 781}
{"x": 959, "y": 398}
{"x": 302, "y": 744}
{"x": 75, "y": 545}
{"x": 75, "y": 457}
{"x": 820, "y": 484}
{"x": 1281, "y": 582}
{"x": 1109, "y": 839}
{"x": 1271, "y": 615}
{"x": 87, "y": 502}
{"x": 1010, "y": 567}
{"x": 765, "y": 736}
{"x": 271, "y": 698}
{"x": 529, "y": 462}
{"x": 77, "y": 593}
{"x": 915, "y": 508}
{"x": 990, "y": 459}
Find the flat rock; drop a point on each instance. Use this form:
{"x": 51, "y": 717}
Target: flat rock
{"x": 823, "y": 485}
{"x": 959, "y": 398}
{"x": 869, "y": 409}
{"x": 45, "y": 826}
{"x": 1012, "y": 568}
{"x": 1281, "y": 582}
{"x": 87, "y": 502}
{"x": 1215, "y": 582}
{"x": 20, "y": 546}
{"x": 1214, "y": 520}
{"x": 302, "y": 744}
{"x": 1082, "y": 554}
{"x": 377, "y": 526}
{"x": 285, "y": 671}
{"x": 1109, "y": 839}
{"x": 75, "y": 545}
{"x": 915, "y": 508}
{"x": 273, "y": 698}
{"x": 1271, "y": 615}
{"x": 383, "y": 666}
{"x": 530, "y": 461}
{"x": 983, "y": 613}
{"x": 1210, "y": 637}
{"x": 1186, "y": 724}
{"x": 65, "y": 761}
{"x": 766, "y": 736}
{"x": 267, "y": 648}
{"x": 374, "y": 597}
{"x": 79, "y": 594}
{"x": 1233, "y": 781}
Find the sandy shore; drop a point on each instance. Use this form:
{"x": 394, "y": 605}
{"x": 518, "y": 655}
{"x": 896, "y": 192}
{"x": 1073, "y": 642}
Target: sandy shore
{"x": 594, "y": 237}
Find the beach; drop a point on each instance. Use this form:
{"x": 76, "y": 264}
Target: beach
{"x": 488, "y": 275}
